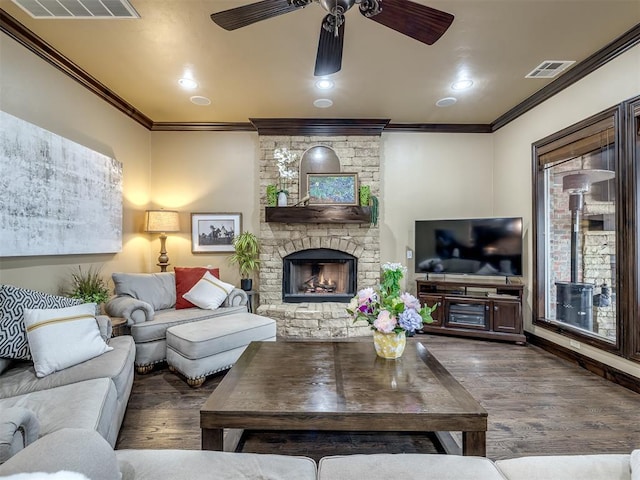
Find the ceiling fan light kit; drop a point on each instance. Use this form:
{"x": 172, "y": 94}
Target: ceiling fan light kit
{"x": 414, "y": 20}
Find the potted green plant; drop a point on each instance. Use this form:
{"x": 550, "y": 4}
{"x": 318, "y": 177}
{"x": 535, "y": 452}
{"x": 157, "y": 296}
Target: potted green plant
{"x": 247, "y": 256}
{"x": 89, "y": 286}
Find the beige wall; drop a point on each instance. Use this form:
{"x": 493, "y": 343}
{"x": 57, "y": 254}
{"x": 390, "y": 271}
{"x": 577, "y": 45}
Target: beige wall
{"x": 205, "y": 172}
{"x": 217, "y": 171}
{"x": 617, "y": 81}
{"x": 429, "y": 176}
{"x": 38, "y": 93}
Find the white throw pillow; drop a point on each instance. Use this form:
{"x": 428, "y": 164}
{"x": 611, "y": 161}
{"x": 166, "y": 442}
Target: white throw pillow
{"x": 63, "y": 337}
{"x": 209, "y": 292}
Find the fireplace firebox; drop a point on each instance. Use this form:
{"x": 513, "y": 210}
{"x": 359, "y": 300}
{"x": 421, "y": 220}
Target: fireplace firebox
{"x": 319, "y": 275}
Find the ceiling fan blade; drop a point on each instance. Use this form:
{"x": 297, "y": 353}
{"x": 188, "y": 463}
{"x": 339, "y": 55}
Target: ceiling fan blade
{"x": 329, "y": 57}
{"x": 420, "y": 22}
{"x": 254, "y": 12}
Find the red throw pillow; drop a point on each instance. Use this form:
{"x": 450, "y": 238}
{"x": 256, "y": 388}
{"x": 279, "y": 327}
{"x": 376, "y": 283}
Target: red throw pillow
{"x": 186, "y": 278}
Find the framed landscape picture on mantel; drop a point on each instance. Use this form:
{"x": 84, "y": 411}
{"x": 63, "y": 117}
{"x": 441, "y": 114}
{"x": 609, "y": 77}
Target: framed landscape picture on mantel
{"x": 333, "y": 188}
{"x": 214, "y": 232}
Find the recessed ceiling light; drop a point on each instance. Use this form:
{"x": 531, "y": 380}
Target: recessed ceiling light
{"x": 188, "y": 83}
{"x": 446, "y": 102}
{"x": 323, "y": 103}
{"x": 325, "y": 84}
{"x": 462, "y": 84}
{"x": 202, "y": 101}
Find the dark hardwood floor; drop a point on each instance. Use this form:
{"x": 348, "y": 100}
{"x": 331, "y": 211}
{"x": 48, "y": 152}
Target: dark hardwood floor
{"x": 538, "y": 404}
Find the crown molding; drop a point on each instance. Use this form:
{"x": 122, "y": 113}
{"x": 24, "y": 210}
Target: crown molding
{"x": 439, "y": 127}
{"x": 202, "y": 127}
{"x": 626, "y": 41}
{"x": 37, "y": 45}
{"x": 319, "y": 126}
{"x": 316, "y": 127}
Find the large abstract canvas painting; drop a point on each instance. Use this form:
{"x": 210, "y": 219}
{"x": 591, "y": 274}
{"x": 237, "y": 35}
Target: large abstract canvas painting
{"x": 57, "y": 197}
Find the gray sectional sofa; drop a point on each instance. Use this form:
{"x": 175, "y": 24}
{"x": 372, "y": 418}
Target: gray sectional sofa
{"x": 86, "y": 452}
{"x": 91, "y": 395}
{"x": 148, "y": 303}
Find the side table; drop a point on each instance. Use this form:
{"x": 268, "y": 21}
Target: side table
{"x": 250, "y": 294}
{"x": 118, "y": 326}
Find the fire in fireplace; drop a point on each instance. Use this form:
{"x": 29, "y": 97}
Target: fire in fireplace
{"x": 318, "y": 275}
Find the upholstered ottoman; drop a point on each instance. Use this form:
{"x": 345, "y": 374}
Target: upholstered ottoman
{"x": 202, "y": 348}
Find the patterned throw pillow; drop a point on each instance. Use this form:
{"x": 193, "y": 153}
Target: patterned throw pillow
{"x": 13, "y": 301}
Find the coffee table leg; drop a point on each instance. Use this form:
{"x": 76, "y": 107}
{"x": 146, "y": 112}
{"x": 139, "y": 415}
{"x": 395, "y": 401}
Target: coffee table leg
{"x": 212, "y": 439}
{"x": 474, "y": 443}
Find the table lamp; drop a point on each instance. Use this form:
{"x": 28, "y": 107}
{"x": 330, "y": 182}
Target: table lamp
{"x": 162, "y": 222}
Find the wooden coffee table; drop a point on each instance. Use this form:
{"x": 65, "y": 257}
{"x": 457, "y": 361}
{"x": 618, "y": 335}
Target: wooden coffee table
{"x": 341, "y": 386}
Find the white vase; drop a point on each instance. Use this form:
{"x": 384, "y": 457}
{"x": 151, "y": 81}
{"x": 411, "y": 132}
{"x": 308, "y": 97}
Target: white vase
{"x": 282, "y": 199}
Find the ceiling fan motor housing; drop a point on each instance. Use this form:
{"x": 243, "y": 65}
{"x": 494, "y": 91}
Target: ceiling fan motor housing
{"x": 336, "y": 6}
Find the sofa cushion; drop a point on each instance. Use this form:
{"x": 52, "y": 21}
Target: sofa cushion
{"x": 567, "y": 467}
{"x": 156, "y": 329}
{"x": 209, "y": 292}
{"x": 70, "y": 449}
{"x": 407, "y": 466}
{"x": 635, "y": 465}
{"x": 13, "y": 301}
{"x": 195, "y": 464}
{"x": 18, "y": 428}
{"x": 213, "y": 336}
{"x": 91, "y": 404}
{"x": 186, "y": 278}
{"x": 4, "y": 364}
{"x": 116, "y": 364}
{"x": 63, "y": 337}
{"x": 157, "y": 289}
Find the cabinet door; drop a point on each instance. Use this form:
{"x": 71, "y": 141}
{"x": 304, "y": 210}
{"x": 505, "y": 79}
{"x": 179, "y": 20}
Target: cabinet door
{"x": 438, "y": 313}
{"x": 467, "y": 313}
{"x": 507, "y": 317}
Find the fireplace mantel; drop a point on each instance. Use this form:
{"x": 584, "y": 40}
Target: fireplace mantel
{"x": 319, "y": 214}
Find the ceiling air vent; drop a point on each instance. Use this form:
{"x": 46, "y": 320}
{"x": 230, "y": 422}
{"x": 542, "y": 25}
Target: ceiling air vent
{"x": 82, "y": 9}
{"x": 549, "y": 68}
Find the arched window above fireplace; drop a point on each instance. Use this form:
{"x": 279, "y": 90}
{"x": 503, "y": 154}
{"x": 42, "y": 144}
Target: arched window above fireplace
{"x": 317, "y": 159}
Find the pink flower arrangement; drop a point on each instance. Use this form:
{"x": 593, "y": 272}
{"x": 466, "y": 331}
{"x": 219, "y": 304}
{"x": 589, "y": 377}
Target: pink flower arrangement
{"x": 386, "y": 309}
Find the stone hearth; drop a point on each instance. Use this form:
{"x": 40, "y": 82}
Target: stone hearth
{"x": 325, "y": 319}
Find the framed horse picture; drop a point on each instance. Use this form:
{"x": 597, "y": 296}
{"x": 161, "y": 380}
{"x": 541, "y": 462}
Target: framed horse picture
{"x": 214, "y": 232}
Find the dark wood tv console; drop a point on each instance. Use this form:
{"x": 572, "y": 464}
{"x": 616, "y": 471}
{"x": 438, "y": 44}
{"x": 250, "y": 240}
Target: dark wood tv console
{"x": 474, "y": 309}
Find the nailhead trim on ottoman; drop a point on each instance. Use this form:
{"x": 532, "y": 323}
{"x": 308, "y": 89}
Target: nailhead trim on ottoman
{"x": 202, "y": 348}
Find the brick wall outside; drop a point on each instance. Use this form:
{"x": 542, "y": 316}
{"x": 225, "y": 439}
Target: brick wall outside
{"x": 596, "y": 257}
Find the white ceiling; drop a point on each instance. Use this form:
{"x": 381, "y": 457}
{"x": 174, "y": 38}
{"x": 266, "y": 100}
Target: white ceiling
{"x": 266, "y": 70}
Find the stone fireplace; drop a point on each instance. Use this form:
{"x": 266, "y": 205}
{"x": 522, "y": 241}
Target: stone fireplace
{"x": 305, "y": 300}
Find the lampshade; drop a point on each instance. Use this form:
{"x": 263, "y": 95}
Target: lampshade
{"x": 161, "y": 221}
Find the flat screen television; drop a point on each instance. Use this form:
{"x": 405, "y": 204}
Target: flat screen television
{"x": 478, "y": 246}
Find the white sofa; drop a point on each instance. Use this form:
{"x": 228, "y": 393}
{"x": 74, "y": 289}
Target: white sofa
{"x": 453, "y": 467}
{"x": 86, "y": 452}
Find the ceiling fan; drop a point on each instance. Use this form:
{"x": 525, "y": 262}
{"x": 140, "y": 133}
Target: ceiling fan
{"x": 417, "y": 21}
